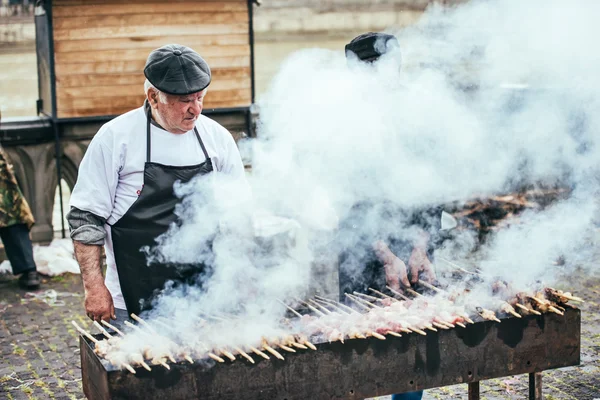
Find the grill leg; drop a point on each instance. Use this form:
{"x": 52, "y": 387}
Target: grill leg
{"x": 535, "y": 386}
{"x": 474, "y": 390}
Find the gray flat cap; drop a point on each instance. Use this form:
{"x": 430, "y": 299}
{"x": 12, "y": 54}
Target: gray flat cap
{"x": 177, "y": 69}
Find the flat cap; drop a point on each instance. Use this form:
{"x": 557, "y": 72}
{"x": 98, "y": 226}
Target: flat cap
{"x": 370, "y": 46}
{"x": 177, "y": 69}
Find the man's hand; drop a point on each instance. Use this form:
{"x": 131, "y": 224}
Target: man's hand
{"x": 418, "y": 263}
{"x": 99, "y": 304}
{"x": 395, "y": 269}
{"x": 98, "y": 301}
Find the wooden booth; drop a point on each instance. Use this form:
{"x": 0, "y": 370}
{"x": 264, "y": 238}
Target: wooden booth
{"x": 91, "y": 53}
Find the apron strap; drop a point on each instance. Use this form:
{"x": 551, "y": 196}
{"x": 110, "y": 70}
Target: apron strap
{"x": 148, "y": 140}
{"x": 201, "y": 143}
{"x": 148, "y": 118}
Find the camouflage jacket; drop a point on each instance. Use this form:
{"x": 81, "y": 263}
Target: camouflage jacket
{"x": 13, "y": 206}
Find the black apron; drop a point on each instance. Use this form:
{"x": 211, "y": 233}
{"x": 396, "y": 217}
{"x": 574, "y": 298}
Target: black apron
{"x": 149, "y": 217}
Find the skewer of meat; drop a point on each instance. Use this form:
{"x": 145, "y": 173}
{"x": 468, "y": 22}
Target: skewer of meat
{"x": 339, "y": 306}
{"x": 321, "y": 307}
{"x": 357, "y": 302}
{"x": 412, "y": 292}
{"x": 398, "y": 293}
{"x": 333, "y": 306}
{"x": 244, "y": 354}
{"x": 363, "y": 304}
{"x": 304, "y": 340}
{"x": 522, "y": 301}
{"x": 430, "y": 286}
{"x": 170, "y": 356}
{"x": 197, "y": 343}
{"x": 102, "y": 330}
{"x": 153, "y": 331}
{"x": 363, "y": 301}
{"x": 296, "y": 313}
{"x": 290, "y": 340}
{"x": 101, "y": 346}
{"x": 367, "y": 297}
{"x": 114, "y": 329}
{"x": 545, "y": 305}
{"x": 277, "y": 342}
{"x": 384, "y": 299}
{"x": 527, "y": 310}
{"x": 507, "y": 308}
{"x": 258, "y": 352}
{"x": 271, "y": 350}
{"x": 167, "y": 354}
{"x": 312, "y": 308}
{"x": 383, "y": 295}
{"x": 457, "y": 267}
{"x": 136, "y": 358}
{"x": 149, "y": 354}
{"x": 225, "y": 353}
{"x": 561, "y": 297}
{"x": 85, "y": 333}
{"x": 487, "y": 314}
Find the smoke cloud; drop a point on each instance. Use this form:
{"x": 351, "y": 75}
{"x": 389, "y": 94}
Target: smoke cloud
{"x": 490, "y": 96}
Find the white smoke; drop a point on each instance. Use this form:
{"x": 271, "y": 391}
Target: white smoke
{"x": 490, "y": 96}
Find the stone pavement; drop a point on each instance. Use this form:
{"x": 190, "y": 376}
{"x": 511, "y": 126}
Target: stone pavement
{"x": 40, "y": 354}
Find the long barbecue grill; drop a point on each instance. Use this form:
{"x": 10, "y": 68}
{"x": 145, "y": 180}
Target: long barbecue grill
{"x": 358, "y": 368}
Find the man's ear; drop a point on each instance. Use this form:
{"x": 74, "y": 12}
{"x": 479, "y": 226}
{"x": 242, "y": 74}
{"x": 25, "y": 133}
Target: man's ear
{"x": 153, "y": 98}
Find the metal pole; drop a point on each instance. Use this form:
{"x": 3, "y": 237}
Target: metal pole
{"x": 58, "y": 155}
{"x": 474, "y": 390}
{"x": 535, "y": 386}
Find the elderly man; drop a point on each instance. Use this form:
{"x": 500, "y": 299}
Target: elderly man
{"x": 124, "y": 197}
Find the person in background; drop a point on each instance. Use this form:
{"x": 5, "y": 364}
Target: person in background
{"x": 16, "y": 220}
{"x": 376, "y": 257}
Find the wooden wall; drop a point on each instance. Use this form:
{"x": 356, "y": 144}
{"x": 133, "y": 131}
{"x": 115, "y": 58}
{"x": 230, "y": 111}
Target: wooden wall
{"x": 101, "y": 46}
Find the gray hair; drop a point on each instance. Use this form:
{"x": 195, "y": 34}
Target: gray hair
{"x": 162, "y": 97}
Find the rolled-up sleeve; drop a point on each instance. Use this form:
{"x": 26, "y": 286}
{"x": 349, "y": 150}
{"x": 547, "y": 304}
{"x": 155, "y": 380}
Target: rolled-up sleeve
{"x": 86, "y": 227}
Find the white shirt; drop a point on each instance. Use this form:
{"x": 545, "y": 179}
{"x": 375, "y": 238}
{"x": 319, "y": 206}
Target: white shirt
{"x": 111, "y": 174}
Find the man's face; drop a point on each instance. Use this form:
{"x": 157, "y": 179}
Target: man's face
{"x": 179, "y": 113}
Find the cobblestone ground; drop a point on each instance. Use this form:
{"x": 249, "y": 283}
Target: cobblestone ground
{"x": 40, "y": 354}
